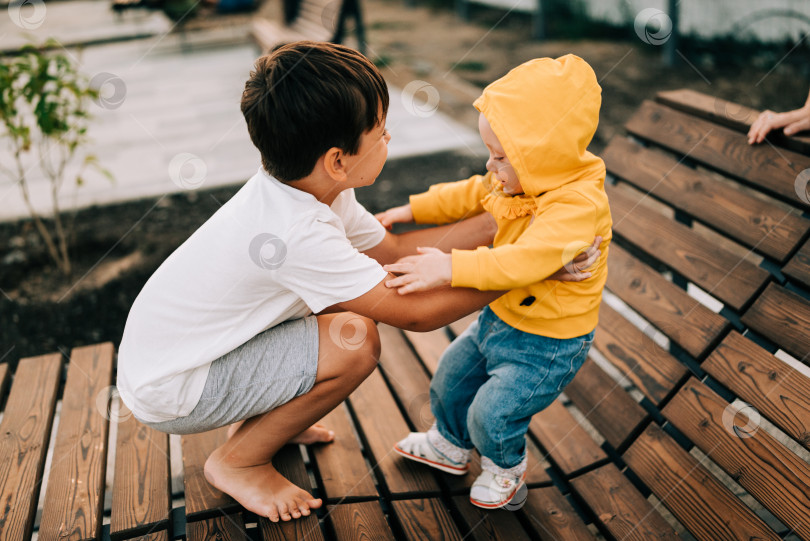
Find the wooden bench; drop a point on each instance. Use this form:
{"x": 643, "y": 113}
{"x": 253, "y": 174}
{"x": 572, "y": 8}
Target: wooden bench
{"x": 690, "y": 416}
{"x": 316, "y": 20}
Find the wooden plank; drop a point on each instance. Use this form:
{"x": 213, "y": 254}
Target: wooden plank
{"x": 289, "y": 463}
{"x": 219, "y": 528}
{"x": 605, "y": 404}
{"x": 772, "y": 386}
{"x": 567, "y": 443}
{"x": 141, "y": 500}
{"x": 429, "y": 346}
{"x": 719, "y": 272}
{"x": 24, "y": 434}
{"x": 425, "y": 519}
{"x": 410, "y": 383}
{"x": 732, "y": 115}
{"x": 798, "y": 267}
{"x": 682, "y": 318}
{"x": 754, "y": 222}
{"x": 775, "y": 476}
{"x": 553, "y": 518}
{"x": 783, "y": 317}
{"x": 620, "y": 507}
{"x": 201, "y": 497}
{"x": 360, "y": 522}
{"x": 407, "y": 377}
{"x": 651, "y": 368}
{"x": 74, "y": 499}
{"x": 704, "y": 506}
{"x": 764, "y": 166}
{"x": 382, "y": 424}
{"x": 485, "y": 524}
{"x": 341, "y": 465}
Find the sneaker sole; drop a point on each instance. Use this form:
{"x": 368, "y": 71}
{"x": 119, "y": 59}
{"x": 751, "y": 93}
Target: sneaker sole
{"x": 439, "y": 466}
{"x": 484, "y": 505}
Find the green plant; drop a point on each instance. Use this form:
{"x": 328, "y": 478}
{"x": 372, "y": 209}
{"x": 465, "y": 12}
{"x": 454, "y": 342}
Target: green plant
{"x": 44, "y": 110}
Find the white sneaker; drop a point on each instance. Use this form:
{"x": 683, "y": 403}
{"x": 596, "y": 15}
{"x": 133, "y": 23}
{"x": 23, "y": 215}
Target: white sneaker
{"x": 417, "y": 447}
{"x": 491, "y": 491}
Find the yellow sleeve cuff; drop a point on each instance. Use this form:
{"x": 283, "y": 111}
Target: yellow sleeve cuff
{"x": 423, "y": 207}
{"x": 466, "y": 268}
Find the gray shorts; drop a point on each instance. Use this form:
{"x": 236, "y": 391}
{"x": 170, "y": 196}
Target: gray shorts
{"x": 265, "y": 372}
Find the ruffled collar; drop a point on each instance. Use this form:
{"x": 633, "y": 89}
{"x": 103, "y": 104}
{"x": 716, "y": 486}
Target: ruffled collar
{"x": 508, "y": 207}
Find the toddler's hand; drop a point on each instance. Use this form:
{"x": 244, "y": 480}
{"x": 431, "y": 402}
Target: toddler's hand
{"x": 395, "y": 215}
{"x": 574, "y": 270}
{"x": 432, "y": 268}
{"x": 792, "y": 122}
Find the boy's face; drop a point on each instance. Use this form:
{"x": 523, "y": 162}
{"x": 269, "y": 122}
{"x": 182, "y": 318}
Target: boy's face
{"x": 364, "y": 166}
{"x": 498, "y": 163}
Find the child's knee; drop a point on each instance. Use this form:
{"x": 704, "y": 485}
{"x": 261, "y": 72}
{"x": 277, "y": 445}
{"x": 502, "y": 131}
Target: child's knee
{"x": 355, "y": 338}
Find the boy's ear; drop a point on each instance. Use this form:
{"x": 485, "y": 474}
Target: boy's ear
{"x": 334, "y": 164}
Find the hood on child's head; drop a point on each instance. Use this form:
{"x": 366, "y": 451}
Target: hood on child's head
{"x": 545, "y": 113}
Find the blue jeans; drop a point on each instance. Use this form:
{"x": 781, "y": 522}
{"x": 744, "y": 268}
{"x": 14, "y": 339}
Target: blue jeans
{"x": 493, "y": 378}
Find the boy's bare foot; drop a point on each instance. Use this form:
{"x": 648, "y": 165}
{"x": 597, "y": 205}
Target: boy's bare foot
{"x": 317, "y": 433}
{"x": 260, "y": 489}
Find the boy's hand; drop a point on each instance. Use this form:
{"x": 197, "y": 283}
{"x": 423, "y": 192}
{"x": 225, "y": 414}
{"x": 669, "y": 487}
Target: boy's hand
{"x": 395, "y": 215}
{"x": 574, "y": 270}
{"x": 432, "y": 268}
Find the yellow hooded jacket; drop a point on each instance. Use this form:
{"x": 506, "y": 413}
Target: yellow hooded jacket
{"x": 544, "y": 113}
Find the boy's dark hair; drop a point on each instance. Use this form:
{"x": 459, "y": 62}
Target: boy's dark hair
{"x": 307, "y": 97}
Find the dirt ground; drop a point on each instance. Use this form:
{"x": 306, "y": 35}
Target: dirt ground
{"x": 119, "y": 246}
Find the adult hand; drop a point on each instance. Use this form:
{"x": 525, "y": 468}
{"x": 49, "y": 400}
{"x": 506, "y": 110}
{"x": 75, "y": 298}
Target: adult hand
{"x": 792, "y": 121}
{"x": 575, "y": 270}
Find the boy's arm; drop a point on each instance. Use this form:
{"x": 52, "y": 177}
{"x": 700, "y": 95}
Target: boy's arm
{"x": 466, "y": 235}
{"x": 423, "y": 311}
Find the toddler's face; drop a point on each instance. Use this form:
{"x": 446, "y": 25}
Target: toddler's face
{"x": 498, "y": 163}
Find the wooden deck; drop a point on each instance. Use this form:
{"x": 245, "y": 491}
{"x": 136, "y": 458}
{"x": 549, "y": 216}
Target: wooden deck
{"x": 691, "y": 419}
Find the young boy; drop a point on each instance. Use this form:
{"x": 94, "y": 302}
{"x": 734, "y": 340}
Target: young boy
{"x": 224, "y": 333}
{"x": 546, "y": 192}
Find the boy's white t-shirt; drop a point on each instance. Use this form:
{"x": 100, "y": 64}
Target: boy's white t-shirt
{"x": 270, "y": 254}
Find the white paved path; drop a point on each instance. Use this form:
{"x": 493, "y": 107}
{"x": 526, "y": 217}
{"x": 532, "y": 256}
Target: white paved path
{"x": 177, "y": 124}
